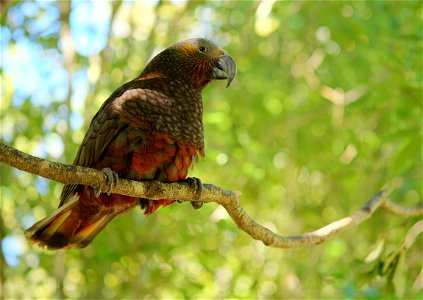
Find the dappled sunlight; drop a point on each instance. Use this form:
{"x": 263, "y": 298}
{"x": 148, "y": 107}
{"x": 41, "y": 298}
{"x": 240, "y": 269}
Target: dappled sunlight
{"x": 325, "y": 109}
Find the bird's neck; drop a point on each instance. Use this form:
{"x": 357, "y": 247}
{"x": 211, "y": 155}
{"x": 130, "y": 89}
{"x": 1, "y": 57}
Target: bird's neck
{"x": 182, "y": 118}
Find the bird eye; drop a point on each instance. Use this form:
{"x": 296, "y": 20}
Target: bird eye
{"x": 202, "y": 49}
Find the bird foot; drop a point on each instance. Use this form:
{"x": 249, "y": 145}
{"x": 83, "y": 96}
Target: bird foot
{"x": 196, "y": 184}
{"x": 112, "y": 179}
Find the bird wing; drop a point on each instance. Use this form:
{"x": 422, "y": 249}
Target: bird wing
{"x": 135, "y": 107}
{"x": 103, "y": 129}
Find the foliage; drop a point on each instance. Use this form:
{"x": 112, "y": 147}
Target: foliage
{"x": 325, "y": 110}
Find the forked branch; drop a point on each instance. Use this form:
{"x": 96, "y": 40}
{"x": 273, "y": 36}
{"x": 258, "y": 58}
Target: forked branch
{"x": 154, "y": 190}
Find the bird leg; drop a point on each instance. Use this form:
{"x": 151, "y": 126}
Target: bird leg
{"x": 196, "y": 184}
{"x": 112, "y": 179}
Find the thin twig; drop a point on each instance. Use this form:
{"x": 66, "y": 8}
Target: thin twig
{"x": 154, "y": 190}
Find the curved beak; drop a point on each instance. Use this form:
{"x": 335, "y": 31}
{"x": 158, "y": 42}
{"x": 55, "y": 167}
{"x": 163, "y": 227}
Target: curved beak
{"x": 225, "y": 68}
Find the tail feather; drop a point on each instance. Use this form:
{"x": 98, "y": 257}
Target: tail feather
{"x": 56, "y": 224}
{"x": 87, "y": 233}
{"x": 65, "y": 228}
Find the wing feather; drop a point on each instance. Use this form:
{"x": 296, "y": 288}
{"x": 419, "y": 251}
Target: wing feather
{"x": 131, "y": 108}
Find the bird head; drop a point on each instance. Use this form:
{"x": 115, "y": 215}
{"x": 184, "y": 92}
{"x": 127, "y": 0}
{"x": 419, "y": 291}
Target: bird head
{"x": 197, "y": 61}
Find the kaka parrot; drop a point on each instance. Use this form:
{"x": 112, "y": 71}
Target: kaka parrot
{"x": 150, "y": 128}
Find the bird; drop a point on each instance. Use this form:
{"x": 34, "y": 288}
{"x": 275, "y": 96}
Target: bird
{"x": 150, "y": 128}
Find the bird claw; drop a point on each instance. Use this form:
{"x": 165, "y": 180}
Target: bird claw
{"x": 112, "y": 179}
{"x": 196, "y": 184}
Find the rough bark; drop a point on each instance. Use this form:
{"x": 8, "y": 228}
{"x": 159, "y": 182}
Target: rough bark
{"x": 154, "y": 190}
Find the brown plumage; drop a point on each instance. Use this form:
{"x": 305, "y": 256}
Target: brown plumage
{"x": 148, "y": 129}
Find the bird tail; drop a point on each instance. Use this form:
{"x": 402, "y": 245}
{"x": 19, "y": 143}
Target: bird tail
{"x": 66, "y": 228}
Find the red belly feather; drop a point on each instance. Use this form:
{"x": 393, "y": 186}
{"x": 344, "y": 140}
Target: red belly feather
{"x": 155, "y": 156}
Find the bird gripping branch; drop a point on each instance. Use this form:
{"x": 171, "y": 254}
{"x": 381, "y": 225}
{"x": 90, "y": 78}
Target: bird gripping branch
{"x": 150, "y": 128}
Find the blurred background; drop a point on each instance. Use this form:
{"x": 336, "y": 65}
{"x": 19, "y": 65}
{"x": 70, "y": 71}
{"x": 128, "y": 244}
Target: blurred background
{"x": 325, "y": 110}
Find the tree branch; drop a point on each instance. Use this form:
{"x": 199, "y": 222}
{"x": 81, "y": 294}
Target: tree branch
{"x": 154, "y": 190}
